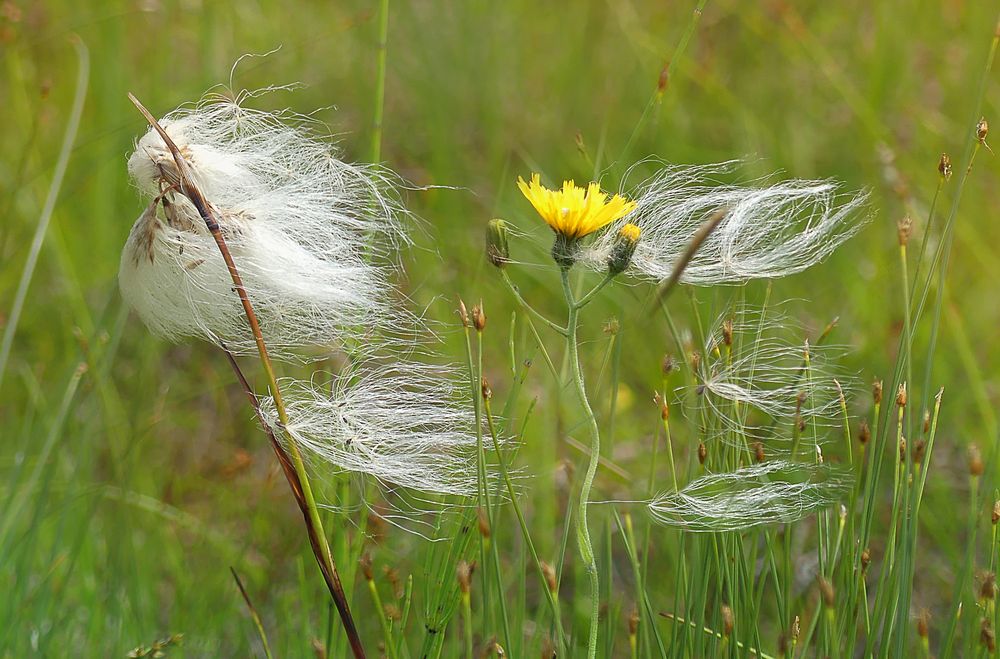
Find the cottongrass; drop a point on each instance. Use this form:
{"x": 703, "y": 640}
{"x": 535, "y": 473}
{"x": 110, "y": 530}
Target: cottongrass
{"x": 314, "y": 240}
{"x": 769, "y": 231}
{"x": 765, "y": 380}
{"x": 312, "y": 236}
{"x": 403, "y": 424}
{"x": 777, "y": 491}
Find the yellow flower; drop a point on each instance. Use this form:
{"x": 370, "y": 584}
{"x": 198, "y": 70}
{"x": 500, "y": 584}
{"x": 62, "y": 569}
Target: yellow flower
{"x": 574, "y": 212}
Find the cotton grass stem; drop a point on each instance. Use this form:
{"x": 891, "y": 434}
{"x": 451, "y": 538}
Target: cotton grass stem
{"x": 253, "y": 613}
{"x": 321, "y": 547}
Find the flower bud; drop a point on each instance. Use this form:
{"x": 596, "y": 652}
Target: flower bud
{"x": 549, "y": 573}
{"x": 976, "y": 466}
{"x": 904, "y": 229}
{"x": 497, "y": 250}
{"x": 478, "y": 317}
{"x": 464, "y": 574}
{"x": 727, "y": 620}
{"x": 623, "y": 248}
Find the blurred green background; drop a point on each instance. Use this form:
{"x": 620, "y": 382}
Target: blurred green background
{"x": 127, "y": 490}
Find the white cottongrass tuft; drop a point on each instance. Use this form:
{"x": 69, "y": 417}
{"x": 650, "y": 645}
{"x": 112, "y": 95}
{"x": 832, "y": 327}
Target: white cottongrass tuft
{"x": 766, "y": 493}
{"x": 769, "y": 231}
{"x": 766, "y": 374}
{"x": 309, "y": 233}
{"x": 313, "y": 239}
{"x": 404, "y": 424}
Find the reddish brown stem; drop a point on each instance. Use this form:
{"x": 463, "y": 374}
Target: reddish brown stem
{"x": 300, "y": 484}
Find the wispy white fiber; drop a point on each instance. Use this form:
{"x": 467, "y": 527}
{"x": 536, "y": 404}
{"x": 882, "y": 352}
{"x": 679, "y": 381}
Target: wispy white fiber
{"x": 311, "y": 234}
{"x": 404, "y": 424}
{"x": 314, "y": 240}
{"x": 769, "y": 231}
{"x": 765, "y": 493}
{"x": 767, "y": 373}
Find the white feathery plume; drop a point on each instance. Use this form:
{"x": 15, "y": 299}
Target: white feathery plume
{"x": 309, "y": 233}
{"x": 768, "y": 231}
{"x": 313, "y": 239}
{"x": 766, "y": 374}
{"x": 404, "y": 424}
{"x": 770, "y": 492}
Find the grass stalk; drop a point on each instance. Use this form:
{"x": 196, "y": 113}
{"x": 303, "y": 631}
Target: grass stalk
{"x": 314, "y": 525}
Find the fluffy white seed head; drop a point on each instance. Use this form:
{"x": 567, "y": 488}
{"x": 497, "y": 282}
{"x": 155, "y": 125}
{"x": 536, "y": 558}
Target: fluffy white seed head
{"x": 404, "y": 424}
{"x": 765, "y": 493}
{"x": 310, "y": 234}
{"x": 768, "y": 380}
{"x": 769, "y": 231}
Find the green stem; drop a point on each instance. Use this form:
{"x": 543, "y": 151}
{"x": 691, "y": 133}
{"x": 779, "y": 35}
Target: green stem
{"x": 527, "y": 307}
{"x": 550, "y": 597}
{"x": 383, "y": 37}
{"x": 583, "y": 532}
{"x": 582, "y": 302}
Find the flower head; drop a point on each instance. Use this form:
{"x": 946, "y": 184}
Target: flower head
{"x": 574, "y": 212}
{"x": 300, "y": 223}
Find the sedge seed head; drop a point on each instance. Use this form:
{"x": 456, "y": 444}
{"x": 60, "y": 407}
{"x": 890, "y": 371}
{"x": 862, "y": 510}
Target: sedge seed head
{"x": 904, "y": 229}
{"x": 464, "y": 575}
{"x": 549, "y": 573}
{"x": 924, "y": 624}
{"x": 827, "y": 591}
{"x": 864, "y": 433}
{"x": 484, "y": 524}
{"x": 976, "y": 466}
{"x": 463, "y": 313}
{"x": 727, "y": 620}
{"x": 877, "y": 392}
{"x": 478, "y": 317}
{"x": 944, "y": 166}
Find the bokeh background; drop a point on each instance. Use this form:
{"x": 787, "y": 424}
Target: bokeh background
{"x": 131, "y": 474}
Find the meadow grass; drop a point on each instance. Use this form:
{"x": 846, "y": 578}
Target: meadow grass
{"x": 135, "y": 477}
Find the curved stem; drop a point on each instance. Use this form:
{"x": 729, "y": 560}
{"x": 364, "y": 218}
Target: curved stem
{"x": 527, "y": 307}
{"x": 314, "y": 525}
{"x": 582, "y": 302}
{"x": 583, "y": 531}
